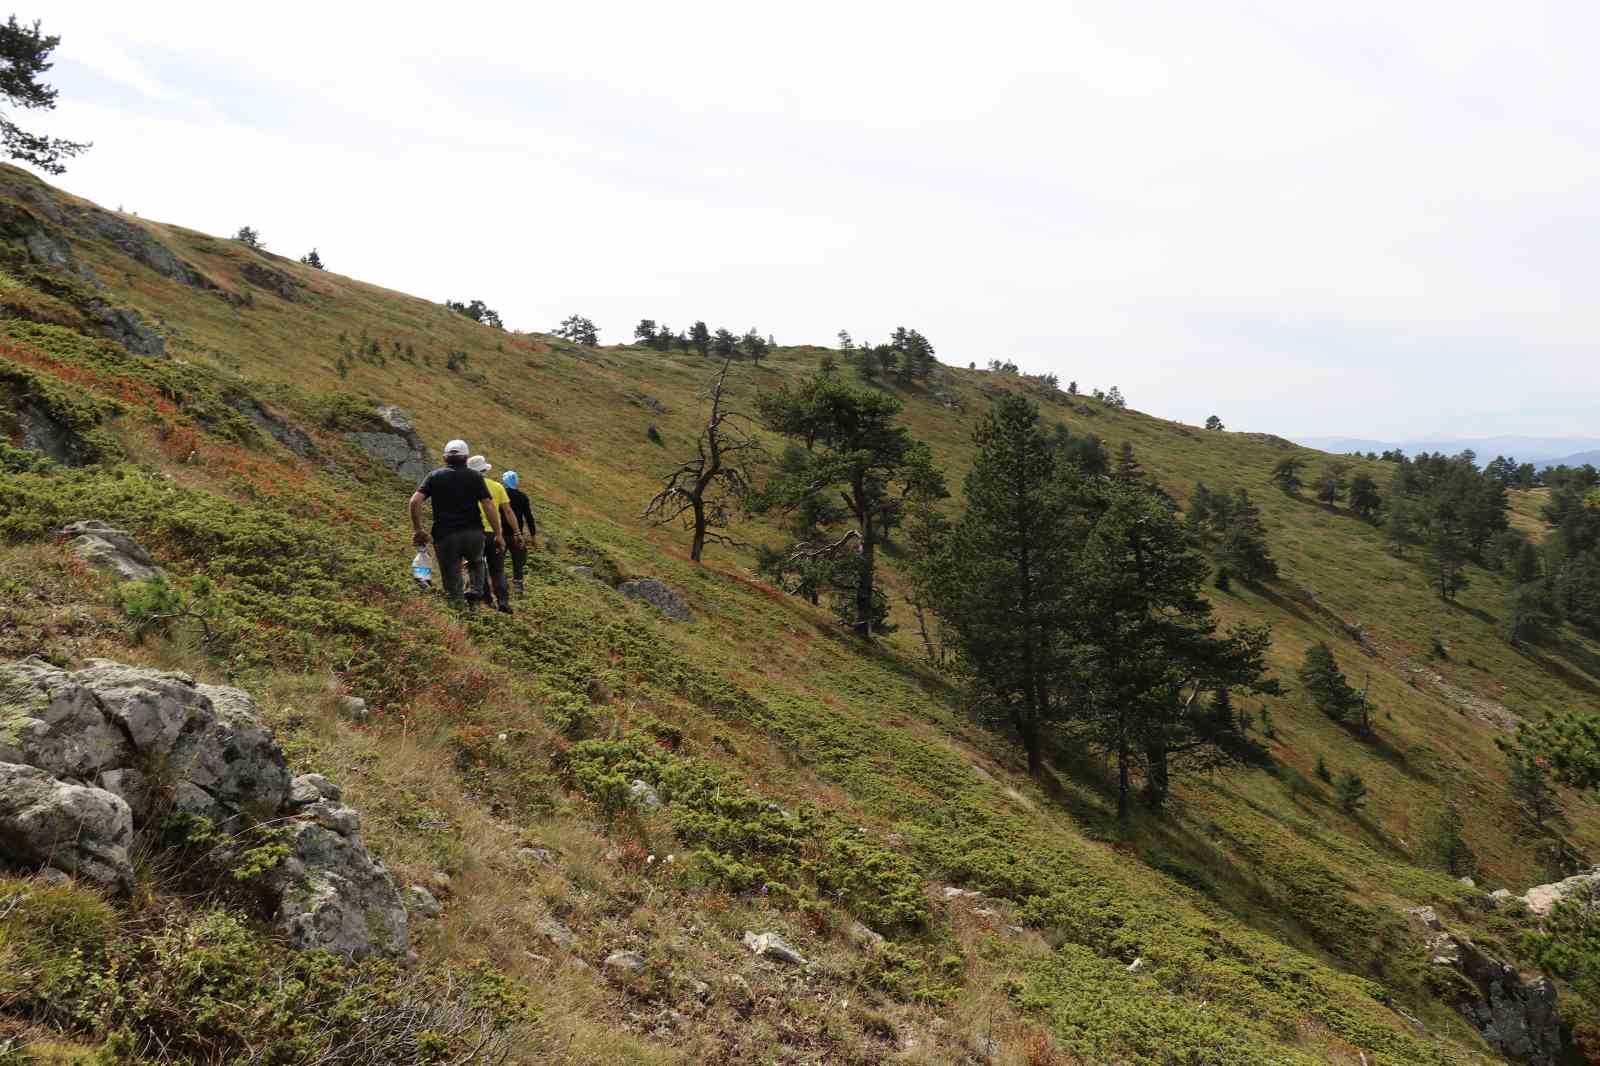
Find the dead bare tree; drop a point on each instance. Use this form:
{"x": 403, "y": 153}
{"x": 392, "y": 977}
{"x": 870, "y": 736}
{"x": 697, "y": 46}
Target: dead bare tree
{"x": 701, "y": 490}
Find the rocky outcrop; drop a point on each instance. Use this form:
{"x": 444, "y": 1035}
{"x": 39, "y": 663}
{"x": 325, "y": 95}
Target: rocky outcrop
{"x": 1542, "y": 899}
{"x": 274, "y": 281}
{"x": 127, "y": 327}
{"x": 110, "y": 549}
{"x": 275, "y": 426}
{"x": 772, "y": 946}
{"x": 48, "y": 822}
{"x": 43, "y": 432}
{"x": 400, "y": 448}
{"x": 1516, "y": 1015}
{"x": 658, "y": 595}
{"x": 89, "y": 756}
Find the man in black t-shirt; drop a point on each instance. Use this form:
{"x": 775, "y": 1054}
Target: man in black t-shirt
{"x": 459, "y": 497}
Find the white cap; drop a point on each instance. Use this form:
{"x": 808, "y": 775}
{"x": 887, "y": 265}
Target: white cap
{"x": 478, "y": 463}
{"x": 456, "y": 447}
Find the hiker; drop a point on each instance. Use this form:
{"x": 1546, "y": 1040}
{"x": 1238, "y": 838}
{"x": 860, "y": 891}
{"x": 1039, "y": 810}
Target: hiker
{"x": 521, "y": 538}
{"x": 494, "y": 556}
{"x": 462, "y": 506}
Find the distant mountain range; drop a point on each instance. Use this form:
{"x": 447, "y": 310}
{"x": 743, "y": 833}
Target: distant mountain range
{"x": 1541, "y": 451}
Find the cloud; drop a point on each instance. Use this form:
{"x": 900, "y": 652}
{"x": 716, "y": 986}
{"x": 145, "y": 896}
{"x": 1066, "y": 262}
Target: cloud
{"x": 1353, "y": 218}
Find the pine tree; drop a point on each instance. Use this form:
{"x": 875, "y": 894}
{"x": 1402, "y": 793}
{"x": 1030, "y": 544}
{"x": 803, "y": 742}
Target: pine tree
{"x": 853, "y": 447}
{"x": 1147, "y": 647}
{"x": 1244, "y": 550}
{"x": 1400, "y": 525}
{"x": 1350, "y": 792}
{"x": 312, "y": 259}
{"x": 1215, "y": 423}
{"x": 1322, "y": 769}
{"x": 1444, "y": 846}
{"x": 1321, "y": 677}
{"x": 1330, "y": 484}
{"x": 1006, "y": 588}
{"x": 1286, "y": 475}
{"x": 700, "y": 337}
{"x": 1364, "y": 498}
{"x": 24, "y": 58}
{"x": 1529, "y": 784}
{"x": 645, "y": 332}
{"x": 724, "y": 343}
{"x": 1128, "y": 470}
{"x": 578, "y": 330}
{"x": 248, "y": 237}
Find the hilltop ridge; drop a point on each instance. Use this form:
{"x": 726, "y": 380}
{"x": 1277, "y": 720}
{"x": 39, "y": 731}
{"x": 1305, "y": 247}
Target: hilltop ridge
{"x": 211, "y": 399}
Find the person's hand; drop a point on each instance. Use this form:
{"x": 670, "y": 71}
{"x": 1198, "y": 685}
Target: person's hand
{"x": 499, "y": 542}
{"x": 419, "y": 538}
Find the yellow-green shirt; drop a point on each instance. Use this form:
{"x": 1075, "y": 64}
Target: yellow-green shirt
{"x": 497, "y": 492}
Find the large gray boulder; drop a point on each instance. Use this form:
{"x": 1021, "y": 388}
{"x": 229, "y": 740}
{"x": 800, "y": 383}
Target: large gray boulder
{"x": 659, "y": 595}
{"x": 335, "y": 896}
{"x": 399, "y": 448}
{"x": 1516, "y": 1015}
{"x": 47, "y": 822}
{"x": 1542, "y": 899}
{"x": 86, "y": 753}
{"x": 112, "y": 550}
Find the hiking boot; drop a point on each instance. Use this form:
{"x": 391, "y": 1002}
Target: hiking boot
{"x": 522, "y": 588}
{"x": 503, "y": 608}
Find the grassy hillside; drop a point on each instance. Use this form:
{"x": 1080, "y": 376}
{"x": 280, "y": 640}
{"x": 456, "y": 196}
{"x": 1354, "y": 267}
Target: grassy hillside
{"x": 810, "y": 782}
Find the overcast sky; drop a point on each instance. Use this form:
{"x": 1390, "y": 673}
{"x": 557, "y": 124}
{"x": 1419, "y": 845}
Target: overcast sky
{"x": 1348, "y": 217}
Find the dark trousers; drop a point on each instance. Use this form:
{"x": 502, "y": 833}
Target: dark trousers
{"x": 519, "y": 557}
{"x": 495, "y": 560}
{"x": 453, "y": 549}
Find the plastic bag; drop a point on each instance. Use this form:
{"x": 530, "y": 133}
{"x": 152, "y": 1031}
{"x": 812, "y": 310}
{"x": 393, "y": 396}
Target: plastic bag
{"x": 422, "y": 567}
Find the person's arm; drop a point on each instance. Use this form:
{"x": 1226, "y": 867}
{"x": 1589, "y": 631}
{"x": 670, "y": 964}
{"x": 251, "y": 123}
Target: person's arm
{"x": 419, "y": 537}
{"x": 508, "y": 521}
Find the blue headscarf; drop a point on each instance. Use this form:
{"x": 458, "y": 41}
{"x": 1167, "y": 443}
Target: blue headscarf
{"x": 509, "y": 479}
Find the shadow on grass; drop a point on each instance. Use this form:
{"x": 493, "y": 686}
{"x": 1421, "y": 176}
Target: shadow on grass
{"x": 1476, "y": 612}
{"x": 1580, "y": 681}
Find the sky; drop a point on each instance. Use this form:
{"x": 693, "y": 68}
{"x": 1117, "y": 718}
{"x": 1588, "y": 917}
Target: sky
{"x": 1353, "y": 217}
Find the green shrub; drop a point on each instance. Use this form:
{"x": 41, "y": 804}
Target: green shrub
{"x": 203, "y": 988}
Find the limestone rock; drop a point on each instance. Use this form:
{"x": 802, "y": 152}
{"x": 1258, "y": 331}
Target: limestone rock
{"x": 48, "y": 822}
{"x": 275, "y": 426}
{"x": 50, "y": 722}
{"x": 624, "y": 963}
{"x": 400, "y": 448}
{"x": 311, "y": 788}
{"x": 1516, "y": 1015}
{"x": 581, "y": 571}
{"x": 336, "y": 897}
{"x": 44, "y": 432}
{"x": 110, "y": 549}
{"x": 773, "y": 946}
{"x": 555, "y": 932}
{"x": 126, "y": 729}
{"x": 420, "y": 902}
{"x": 658, "y": 595}
{"x": 644, "y": 795}
{"x": 353, "y": 708}
{"x": 274, "y": 281}
{"x": 537, "y": 856}
{"x": 864, "y": 938}
{"x": 1542, "y": 899}
{"x": 127, "y": 327}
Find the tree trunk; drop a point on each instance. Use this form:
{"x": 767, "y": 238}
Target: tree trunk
{"x": 1029, "y": 731}
{"x": 864, "y": 577}
{"x": 699, "y": 543}
{"x": 1122, "y": 776}
{"x": 1156, "y": 787}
